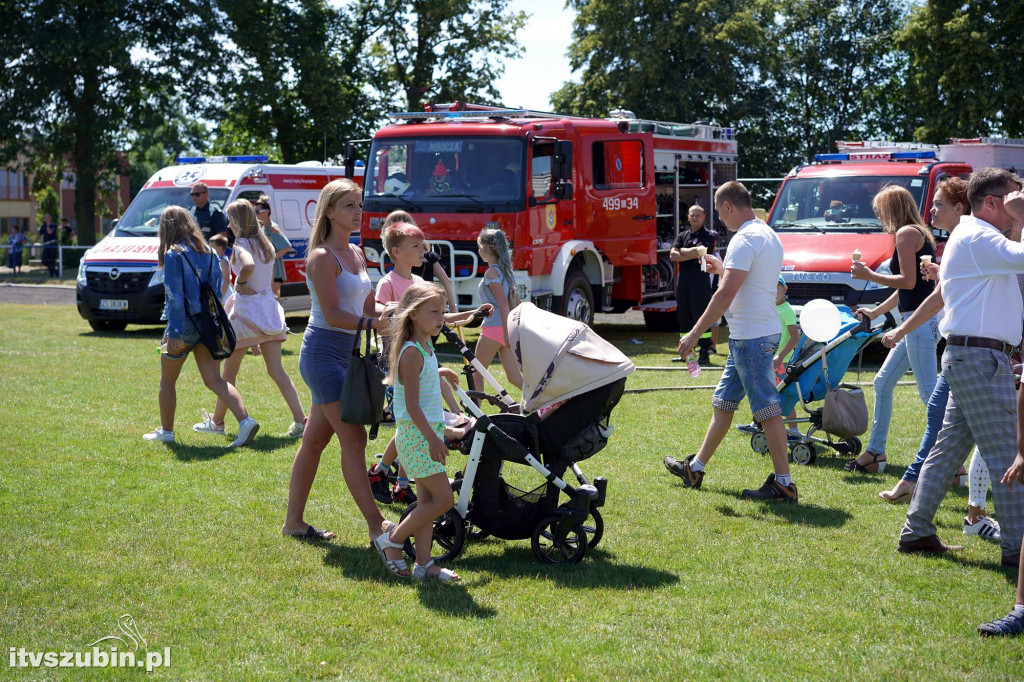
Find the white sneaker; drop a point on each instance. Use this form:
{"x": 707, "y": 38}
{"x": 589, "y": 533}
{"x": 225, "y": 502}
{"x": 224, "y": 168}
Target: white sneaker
{"x": 247, "y": 429}
{"x": 295, "y": 430}
{"x": 208, "y": 425}
{"x": 160, "y": 435}
{"x": 984, "y": 527}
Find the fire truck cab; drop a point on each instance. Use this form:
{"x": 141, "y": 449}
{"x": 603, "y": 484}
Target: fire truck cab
{"x": 823, "y": 212}
{"x": 591, "y": 206}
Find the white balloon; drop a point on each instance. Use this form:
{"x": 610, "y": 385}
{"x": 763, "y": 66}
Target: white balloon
{"x": 820, "y": 320}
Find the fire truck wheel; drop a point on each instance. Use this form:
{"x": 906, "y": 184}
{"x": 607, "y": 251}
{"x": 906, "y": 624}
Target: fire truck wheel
{"x": 577, "y": 303}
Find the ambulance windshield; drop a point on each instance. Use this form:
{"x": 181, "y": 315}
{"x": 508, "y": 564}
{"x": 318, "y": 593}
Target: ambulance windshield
{"x": 836, "y": 203}
{"x": 445, "y": 174}
{"x": 143, "y": 215}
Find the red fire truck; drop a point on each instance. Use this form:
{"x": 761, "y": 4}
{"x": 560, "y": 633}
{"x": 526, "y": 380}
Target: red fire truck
{"x": 823, "y": 212}
{"x": 590, "y": 205}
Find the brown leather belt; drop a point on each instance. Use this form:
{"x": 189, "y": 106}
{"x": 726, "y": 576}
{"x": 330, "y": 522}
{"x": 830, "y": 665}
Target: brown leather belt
{"x": 979, "y": 342}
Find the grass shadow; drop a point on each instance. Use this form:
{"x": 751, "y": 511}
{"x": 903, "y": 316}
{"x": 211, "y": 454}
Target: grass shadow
{"x": 802, "y": 514}
{"x": 192, "y": 453}
{"x": 1010, "y": 574}
{"x": 450, "y": 599}
{"x": 155, "y": 331}
{"x": 453, "y": 599}
{"x": 597, "y": 570}
{"x": 269, "y": 443}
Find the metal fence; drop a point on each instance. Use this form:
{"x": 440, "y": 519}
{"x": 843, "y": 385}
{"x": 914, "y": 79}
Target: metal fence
{"x": 35, "y": 252}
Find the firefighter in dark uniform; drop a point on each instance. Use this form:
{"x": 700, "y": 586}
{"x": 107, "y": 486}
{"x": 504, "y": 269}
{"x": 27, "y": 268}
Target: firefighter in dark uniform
{"x": 693, "y": 287}
{"x": 210, "y": 218}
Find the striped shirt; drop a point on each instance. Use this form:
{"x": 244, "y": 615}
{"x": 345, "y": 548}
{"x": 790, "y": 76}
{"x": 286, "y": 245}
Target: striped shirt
{"x": 430, "y": 388}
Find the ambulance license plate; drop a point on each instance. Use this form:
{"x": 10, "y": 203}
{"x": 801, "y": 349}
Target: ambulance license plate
{"x": 113, "y": 304}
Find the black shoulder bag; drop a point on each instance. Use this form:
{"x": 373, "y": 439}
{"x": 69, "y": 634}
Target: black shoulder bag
{"x": 362, "y": 394}
{"x": 211, "y": 321}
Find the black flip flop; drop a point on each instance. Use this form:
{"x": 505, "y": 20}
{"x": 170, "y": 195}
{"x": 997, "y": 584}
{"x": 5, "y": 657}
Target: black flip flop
{"x": 314, "y": 534}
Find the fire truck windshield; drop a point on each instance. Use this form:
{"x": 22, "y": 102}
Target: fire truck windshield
{"x": 445, "y": 174}
{"x": 836, "y": 203}
{"x": 143, "y": 215}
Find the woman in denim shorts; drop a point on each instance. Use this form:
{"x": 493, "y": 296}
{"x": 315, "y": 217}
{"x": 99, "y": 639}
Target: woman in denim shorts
{"x": 181, "y": 241}
{"x": 341, "y": 295}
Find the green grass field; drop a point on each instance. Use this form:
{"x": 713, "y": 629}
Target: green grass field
{"x": 686, "y": 584}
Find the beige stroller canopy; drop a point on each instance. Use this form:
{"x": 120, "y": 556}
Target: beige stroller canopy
{"x": 560, "y": 358}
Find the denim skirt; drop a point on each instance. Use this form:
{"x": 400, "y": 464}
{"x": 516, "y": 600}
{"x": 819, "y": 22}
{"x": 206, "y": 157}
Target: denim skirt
{"x": 323, "y": 361}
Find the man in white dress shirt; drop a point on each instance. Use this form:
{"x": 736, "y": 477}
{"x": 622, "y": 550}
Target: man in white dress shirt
{"x": 982, "y": 323}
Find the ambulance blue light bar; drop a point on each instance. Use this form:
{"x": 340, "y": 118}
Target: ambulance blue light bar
{"x": 245, "y": 158}
{"x": 874, "y": 156}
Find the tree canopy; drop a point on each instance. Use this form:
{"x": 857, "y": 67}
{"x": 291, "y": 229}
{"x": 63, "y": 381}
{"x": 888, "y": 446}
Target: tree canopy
{"x": 791, "y": 75}
{"x": 78, "y": 78}
{"x": 85, "y": 81}
{"x": 443, "y": 50}
{"x": 966, "y": 66}
{"x": 289, "y": 97}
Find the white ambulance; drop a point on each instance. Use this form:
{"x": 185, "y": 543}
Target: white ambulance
{"x": 118, "y": 280}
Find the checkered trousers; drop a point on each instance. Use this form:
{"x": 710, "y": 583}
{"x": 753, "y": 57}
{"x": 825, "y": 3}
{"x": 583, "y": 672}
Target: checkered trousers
{"x": 982, "y": 410}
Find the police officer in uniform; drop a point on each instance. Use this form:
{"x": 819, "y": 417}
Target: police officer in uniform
{"x": 210, "y": 218}
{"x": 693, "y": 287}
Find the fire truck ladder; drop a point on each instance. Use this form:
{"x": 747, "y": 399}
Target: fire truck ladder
{"x": 463, "y": 110}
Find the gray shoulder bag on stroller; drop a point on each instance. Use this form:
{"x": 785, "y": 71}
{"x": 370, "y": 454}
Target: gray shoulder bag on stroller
{"x": 845, "y": 414}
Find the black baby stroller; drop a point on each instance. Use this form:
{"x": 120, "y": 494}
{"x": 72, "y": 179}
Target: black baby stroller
{"x": 572, "y": 380}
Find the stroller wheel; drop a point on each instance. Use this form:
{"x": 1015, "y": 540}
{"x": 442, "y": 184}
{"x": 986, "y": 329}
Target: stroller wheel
{"x": 802, "y": 453}
{"x": 549, "y": 549}
{"x": 855, "y": 446}
{"x": 449, "y": 535}
{"x": 594, "y": 528}
{"x": 759, "y": 442}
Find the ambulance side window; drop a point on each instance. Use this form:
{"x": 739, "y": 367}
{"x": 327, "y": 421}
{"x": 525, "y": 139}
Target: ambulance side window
{"x": 541, "y": 179}
{"x": 618, "y": 164}
{"x": 251, "y": 195}
{"x": 290, "y": 220}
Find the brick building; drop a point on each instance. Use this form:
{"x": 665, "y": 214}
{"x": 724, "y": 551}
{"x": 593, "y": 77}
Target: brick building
{"x": 18, "y": 205}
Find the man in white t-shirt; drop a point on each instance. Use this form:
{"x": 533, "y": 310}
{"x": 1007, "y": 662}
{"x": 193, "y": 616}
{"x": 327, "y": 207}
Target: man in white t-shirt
{"x": 746, "y": 294}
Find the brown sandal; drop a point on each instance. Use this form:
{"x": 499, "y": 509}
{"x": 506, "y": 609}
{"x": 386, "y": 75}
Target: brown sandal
{"x": 876, "y": 466}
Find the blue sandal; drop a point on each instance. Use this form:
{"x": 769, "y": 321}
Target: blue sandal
{"x": 1011, "y": 625}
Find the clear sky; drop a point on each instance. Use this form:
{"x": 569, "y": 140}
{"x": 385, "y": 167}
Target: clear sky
{"x": 544, "y": 67}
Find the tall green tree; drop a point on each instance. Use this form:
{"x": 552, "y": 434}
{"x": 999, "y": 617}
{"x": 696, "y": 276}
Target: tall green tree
{"x": 836, "y": 72}
{"x": 160, "y": 136}
{"x": 443, "y": 50}
{"x": 967, "y": 66}
{"x": 298, "y": 77}
{"x": 77, "y": 76}
{"x": 670, "y": 60}
{"x": 791, "y": 75}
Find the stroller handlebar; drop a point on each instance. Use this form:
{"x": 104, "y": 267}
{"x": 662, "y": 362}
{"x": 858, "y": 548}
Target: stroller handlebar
{"x": 867, "y": 324}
